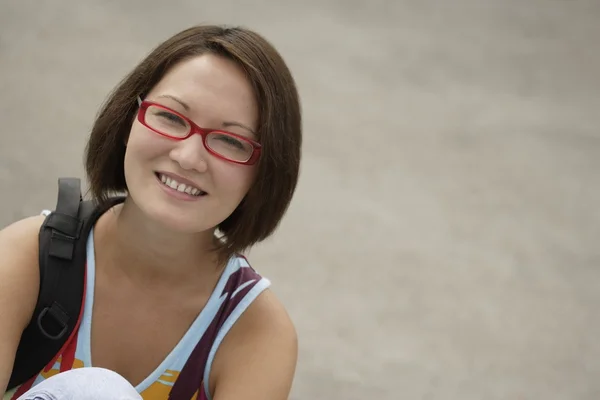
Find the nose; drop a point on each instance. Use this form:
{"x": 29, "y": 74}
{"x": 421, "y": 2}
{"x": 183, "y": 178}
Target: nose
{"x": 190, "y": 154}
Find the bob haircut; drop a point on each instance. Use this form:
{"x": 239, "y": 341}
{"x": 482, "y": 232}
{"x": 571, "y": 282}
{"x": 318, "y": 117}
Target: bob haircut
{"x": 279, "y": 128}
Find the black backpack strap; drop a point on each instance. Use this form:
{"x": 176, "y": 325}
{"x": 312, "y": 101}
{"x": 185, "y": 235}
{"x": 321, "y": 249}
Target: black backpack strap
{"x": 58, "y": 237}
{"x": 62, "y": 241}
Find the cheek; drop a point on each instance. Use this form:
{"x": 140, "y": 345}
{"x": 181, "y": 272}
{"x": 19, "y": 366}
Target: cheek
{"x": 236, "y": 180}
{"x": 143, "y": 145}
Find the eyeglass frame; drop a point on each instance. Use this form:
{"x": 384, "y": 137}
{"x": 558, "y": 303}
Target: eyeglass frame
{"x": 196, "y": 129}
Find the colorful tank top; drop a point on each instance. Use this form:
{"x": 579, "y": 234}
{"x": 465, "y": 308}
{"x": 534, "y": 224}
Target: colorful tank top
{"x": 184, "y": 373}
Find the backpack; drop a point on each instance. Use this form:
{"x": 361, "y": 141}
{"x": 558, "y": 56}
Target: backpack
{"x": 62, "y": 260}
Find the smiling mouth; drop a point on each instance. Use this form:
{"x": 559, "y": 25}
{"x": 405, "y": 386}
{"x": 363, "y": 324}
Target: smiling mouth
{"x": 180, "y": 187}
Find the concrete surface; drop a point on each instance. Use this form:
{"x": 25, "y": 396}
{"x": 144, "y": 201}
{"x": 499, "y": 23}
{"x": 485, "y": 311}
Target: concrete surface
{"x": 444, "y": 240}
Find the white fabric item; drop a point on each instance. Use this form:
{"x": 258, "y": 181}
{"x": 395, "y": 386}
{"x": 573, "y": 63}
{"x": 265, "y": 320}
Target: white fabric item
{"x": 83, "y": 383}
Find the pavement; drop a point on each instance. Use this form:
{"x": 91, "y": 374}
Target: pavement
{"x": 443, "y": 242}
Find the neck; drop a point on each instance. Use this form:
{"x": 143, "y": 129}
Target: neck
{"x": 149, "y": 252}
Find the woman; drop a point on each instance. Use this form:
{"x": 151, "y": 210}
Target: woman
{"x": 204, "y": 139}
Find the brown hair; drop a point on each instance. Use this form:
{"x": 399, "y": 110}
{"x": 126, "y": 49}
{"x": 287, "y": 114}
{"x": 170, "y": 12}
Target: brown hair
{"x": 279, "y": 132}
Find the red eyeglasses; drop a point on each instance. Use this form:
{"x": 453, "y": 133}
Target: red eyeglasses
{"x": 226, "y": 145}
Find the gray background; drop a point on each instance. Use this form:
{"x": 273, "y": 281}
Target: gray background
{"x": 443, "y": 243}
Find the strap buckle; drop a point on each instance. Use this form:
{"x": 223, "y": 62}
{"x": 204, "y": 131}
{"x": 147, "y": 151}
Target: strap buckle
{"x": 53, "y": 321}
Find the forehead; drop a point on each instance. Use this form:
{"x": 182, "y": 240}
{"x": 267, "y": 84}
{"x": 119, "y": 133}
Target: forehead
{"x": 215, "y": 88}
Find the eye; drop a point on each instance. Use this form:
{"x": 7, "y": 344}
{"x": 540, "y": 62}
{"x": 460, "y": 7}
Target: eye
{"x": 170, "y": 117}
{"x": 231, "y": 141}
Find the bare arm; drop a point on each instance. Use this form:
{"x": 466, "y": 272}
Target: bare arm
{"x": 19, "y": 284}
{"x": 257, "y": 359}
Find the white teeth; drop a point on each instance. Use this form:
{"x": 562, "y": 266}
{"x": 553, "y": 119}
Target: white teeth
{"x": 180, "y": 187}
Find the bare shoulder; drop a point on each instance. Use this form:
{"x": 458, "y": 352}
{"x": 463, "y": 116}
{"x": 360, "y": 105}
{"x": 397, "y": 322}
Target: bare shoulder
{"x": 266, "y": 313}
{"x": 19, "y": 285}
{"x": 257, "y": 358}
{"x": 23, "y": 228}
{"x": 19, "y": 265}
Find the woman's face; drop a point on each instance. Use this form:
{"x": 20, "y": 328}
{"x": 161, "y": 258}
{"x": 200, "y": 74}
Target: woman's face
{"x": 214, "y": 93}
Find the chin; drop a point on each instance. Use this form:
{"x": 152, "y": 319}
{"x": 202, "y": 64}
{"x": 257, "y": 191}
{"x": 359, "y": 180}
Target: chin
{"x": 178, "y": 221}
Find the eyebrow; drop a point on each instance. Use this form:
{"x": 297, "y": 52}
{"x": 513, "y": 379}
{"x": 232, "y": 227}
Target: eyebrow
{"x": 225, "y": 124}
{"x": 183, "y": 104}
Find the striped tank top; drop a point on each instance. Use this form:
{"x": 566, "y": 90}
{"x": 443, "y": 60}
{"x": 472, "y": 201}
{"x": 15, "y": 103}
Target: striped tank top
{"x": 184, "y": 373}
